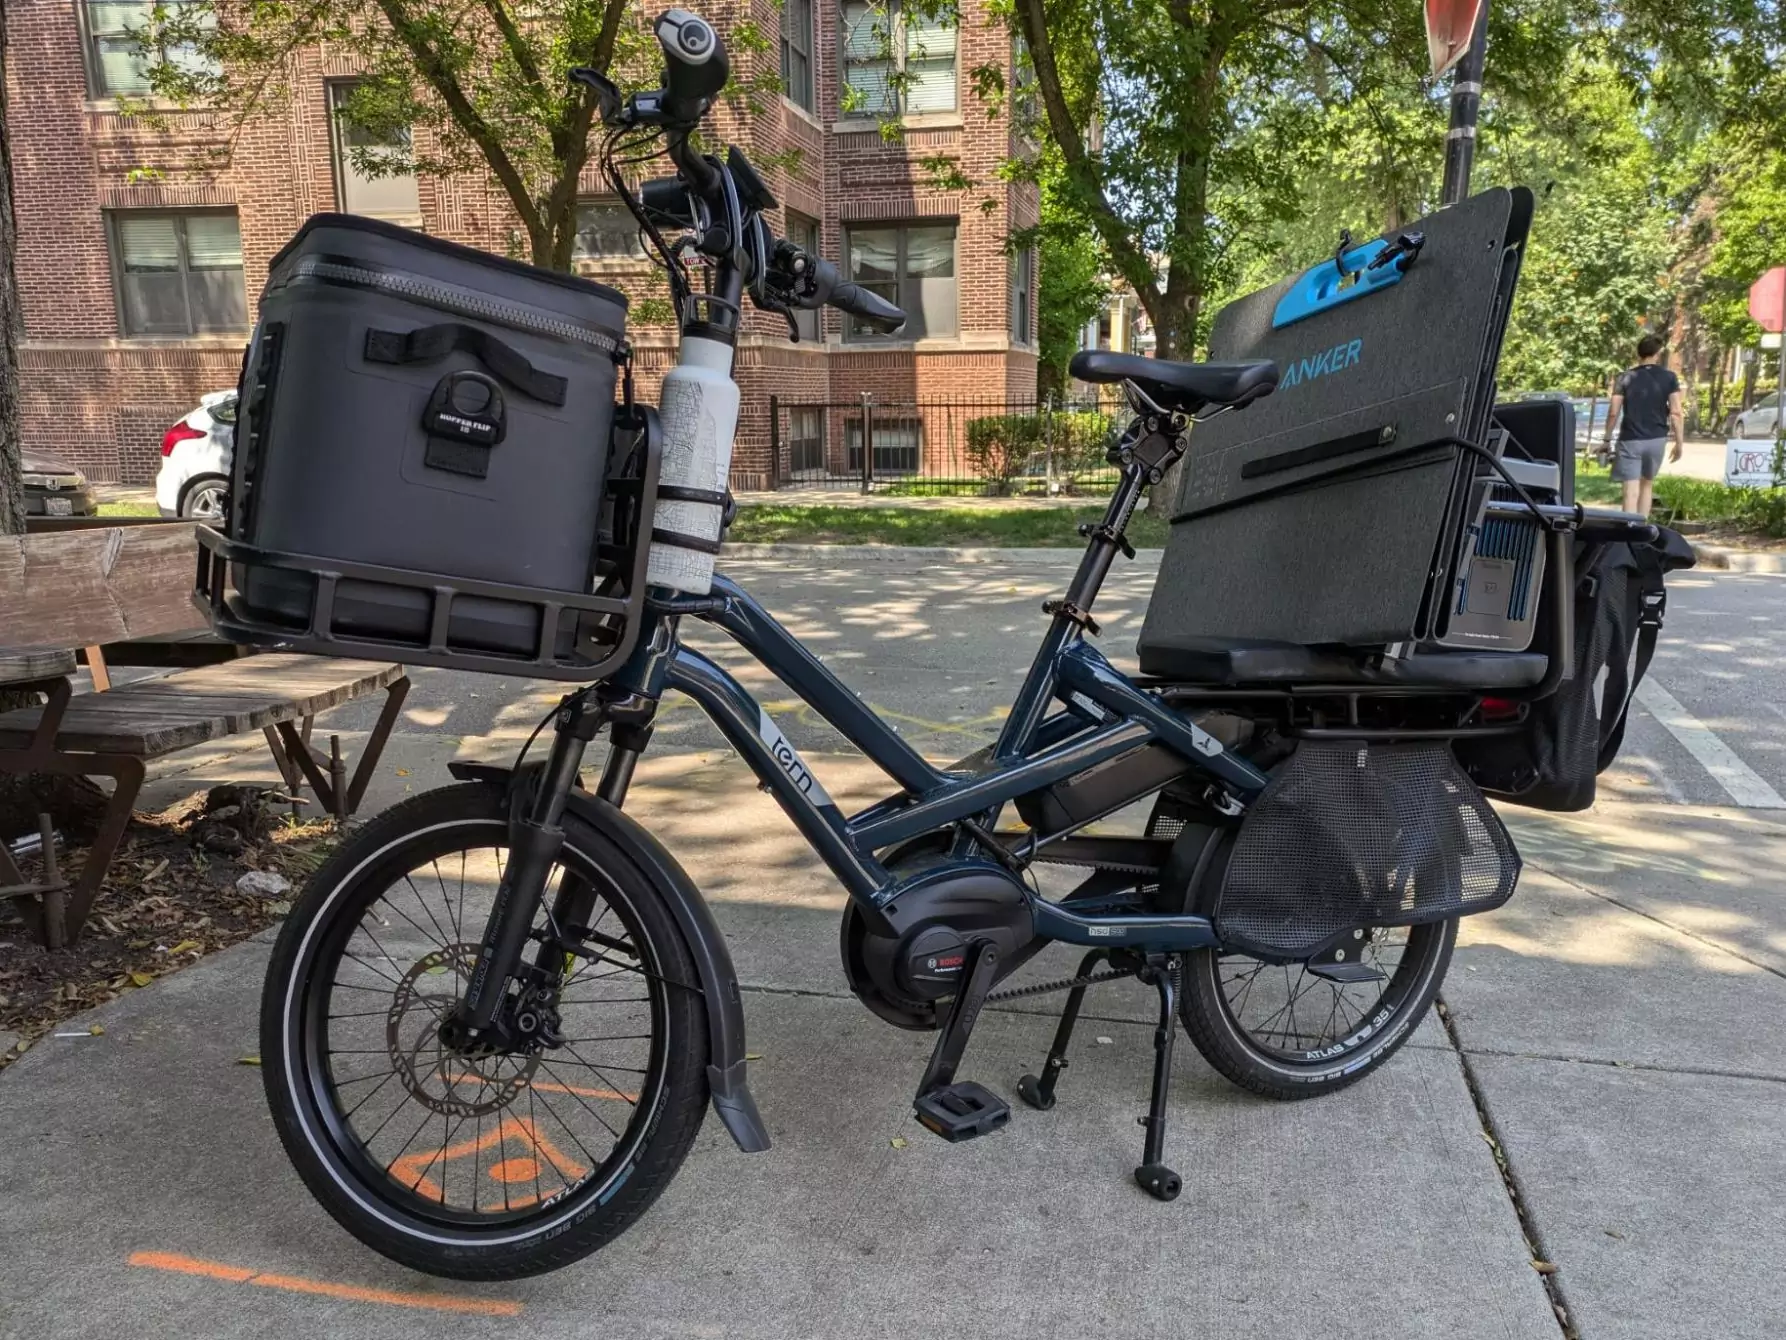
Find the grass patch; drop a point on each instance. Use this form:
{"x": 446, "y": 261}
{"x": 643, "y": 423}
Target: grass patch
{"x": 128, "y": 509}
{"x": 1680, "y": 498}
{"x": 972, "y": 527}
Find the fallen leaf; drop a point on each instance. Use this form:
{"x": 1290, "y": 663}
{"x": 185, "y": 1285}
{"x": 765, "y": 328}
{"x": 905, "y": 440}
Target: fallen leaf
{"x": 403, "y": 772}
{"x": 1106, "y": 1042}
{"x": 96, "y": 1030}
{"x": 248, "y": 1060}
{"x": 1544, "y": 1267}
{"x": 1613, "y": 1233}
{"x": 184, "y": 946}
{"x": 753, "y": 1056}
{"x": 899, "y": 1142}
{"x": 141, "y": 978}
{"x": 159, "y": 867}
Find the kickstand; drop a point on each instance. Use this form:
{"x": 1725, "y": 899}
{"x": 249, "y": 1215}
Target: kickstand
{"x": 1039, "y": 1092}
{"x": 1154, "y": 1177}
{"x": 965, "y": 1110}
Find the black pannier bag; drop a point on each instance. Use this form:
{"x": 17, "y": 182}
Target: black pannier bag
{"x": 1574, "y": 734}
{"x": 1351, "y": 834}
{"x": 427, "y": 428}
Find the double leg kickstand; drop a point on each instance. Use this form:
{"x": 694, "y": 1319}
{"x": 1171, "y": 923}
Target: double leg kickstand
{"x": 1162, "y": 972}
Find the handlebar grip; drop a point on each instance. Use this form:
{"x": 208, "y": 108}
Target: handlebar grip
{"x": 869, "y": 306}
{"x": 695, "y": 65}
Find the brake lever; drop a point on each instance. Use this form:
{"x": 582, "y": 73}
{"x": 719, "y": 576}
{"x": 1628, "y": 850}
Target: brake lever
{"x": 613, "y": 106}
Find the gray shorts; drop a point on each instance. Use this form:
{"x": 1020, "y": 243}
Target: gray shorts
{"x": 1638, "y": 460}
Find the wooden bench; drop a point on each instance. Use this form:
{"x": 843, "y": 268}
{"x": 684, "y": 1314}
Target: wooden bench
{"x": 96, "y": 588}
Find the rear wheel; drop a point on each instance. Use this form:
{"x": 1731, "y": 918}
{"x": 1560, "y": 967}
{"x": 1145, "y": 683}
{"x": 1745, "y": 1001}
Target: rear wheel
{"x": 1284, "y": 1031}
{"x": 202, "y": 498}
{"x": 479, "y": 1166}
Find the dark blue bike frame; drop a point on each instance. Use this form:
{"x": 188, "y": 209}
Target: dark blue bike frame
{"x": 1103, "y": 716}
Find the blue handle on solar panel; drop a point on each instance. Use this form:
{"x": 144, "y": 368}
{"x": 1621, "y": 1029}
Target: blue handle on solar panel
{"x": 1320, "y": 287}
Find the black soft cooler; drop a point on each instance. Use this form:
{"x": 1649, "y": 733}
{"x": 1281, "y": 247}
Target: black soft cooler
{"x": 413, "y": 404}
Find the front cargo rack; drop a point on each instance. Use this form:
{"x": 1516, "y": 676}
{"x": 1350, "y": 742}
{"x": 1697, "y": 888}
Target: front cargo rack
{"x": 582, "y": 637}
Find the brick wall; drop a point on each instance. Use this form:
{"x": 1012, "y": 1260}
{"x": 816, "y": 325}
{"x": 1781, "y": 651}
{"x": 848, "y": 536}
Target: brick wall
{"x": 102, "y": 400}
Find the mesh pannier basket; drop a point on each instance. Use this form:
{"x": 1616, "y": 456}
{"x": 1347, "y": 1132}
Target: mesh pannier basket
{"x": 1353, "y": 834}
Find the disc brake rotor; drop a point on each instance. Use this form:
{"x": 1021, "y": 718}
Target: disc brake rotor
{"x": 444, "y": 1081}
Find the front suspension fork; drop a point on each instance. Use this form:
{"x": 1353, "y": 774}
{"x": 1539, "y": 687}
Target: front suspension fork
{"x": 536, "y": 839}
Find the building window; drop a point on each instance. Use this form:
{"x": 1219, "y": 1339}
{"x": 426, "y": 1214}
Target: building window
{"x": 1023, "y": 281}
{"x": 606, "y": 231}
{"x": 894, "y": 65}
{"x": 1023, "y": 87}
{"x": 124, "y": 45}
{"x": 373, "y": 173}
{"x": 804, "y": 233}
{"x": 796, "y": 51}
{"x": 179, "y": 273}
{"x": 911, "y": 266}
{"x": 806, "y": 441}
{"x": 898, "y": 445}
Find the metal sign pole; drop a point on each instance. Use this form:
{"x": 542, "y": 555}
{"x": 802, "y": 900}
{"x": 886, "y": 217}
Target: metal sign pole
{"x": 1466, "y": 102}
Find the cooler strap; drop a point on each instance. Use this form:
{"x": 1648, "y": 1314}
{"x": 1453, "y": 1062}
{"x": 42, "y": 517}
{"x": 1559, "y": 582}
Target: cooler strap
{"x": 1652, "y": 604}
{"x": 429, "y": 344}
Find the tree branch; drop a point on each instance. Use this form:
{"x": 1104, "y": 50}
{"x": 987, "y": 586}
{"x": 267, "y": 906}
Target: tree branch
{"x": 572, "y": 141}
{"x": 1082, "y": 170}
{"x": 433, "y": 68}
{"x": 518, "y": 48}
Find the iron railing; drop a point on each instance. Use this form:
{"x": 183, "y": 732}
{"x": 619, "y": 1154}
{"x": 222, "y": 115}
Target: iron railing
{"x": 986, "y": 447}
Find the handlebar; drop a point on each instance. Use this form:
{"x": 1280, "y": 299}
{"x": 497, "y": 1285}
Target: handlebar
{"x": 695, "y": 65}
{"x": 1597, "y": 525}
{"x": 868, "y": 306}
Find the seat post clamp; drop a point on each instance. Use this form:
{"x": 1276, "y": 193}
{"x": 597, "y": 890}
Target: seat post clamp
{"x": 1067, "y": 610}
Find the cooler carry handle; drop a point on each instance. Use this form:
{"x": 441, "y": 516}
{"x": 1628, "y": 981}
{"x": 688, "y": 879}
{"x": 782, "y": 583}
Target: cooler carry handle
{"x": 429, "y": 344}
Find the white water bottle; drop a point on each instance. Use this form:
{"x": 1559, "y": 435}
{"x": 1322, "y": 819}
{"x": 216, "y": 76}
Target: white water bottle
{"x": 699, "y": 408}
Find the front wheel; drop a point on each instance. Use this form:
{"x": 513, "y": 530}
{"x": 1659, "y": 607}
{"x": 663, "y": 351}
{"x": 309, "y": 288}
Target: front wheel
{"x": 1284, "y": 1031}
{"x": 480, "y": 1166}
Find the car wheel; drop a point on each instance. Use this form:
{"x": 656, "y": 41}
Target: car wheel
{"x": 202, "y": 498}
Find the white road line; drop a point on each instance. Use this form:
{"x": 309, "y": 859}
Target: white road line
{"x": 1745, "y": 786}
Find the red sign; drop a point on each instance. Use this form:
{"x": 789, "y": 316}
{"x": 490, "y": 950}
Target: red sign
{"x": 1449, "y": 27}
{"x": 1767, "y": 299}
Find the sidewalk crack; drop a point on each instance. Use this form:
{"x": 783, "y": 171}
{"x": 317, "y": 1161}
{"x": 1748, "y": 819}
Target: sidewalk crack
{"x": 1708, "y": 1072}
{"x": 1534, "y": 1239}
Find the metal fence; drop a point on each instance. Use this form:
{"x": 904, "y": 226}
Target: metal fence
{"x": 993, "y": 447}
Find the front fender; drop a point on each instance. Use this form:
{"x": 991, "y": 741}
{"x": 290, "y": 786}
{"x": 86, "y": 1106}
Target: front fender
{"x": 726, "y": 1080}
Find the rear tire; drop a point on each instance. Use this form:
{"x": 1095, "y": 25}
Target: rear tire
{"x": 201, "y": 498}
{"x": 403, "y": 1204}
{"x": 1322, "y": 1053}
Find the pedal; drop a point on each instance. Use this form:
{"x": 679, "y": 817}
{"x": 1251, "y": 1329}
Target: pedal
{"x": 961, "y": 1111}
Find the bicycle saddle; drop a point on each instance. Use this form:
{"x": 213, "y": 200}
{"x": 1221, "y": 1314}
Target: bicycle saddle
{"x": 1186, "y": 387}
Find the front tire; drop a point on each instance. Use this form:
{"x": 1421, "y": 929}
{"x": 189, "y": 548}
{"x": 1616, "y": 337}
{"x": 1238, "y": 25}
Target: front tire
{"x": 376, "y": 954}
{"x": 1241, "y": 1013}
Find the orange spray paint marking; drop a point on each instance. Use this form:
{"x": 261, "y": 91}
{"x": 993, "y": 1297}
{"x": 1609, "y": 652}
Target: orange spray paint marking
{"x": 412, "y": 1170}
{"x": 541, "y": 1086}
{"x": 217, "y": 1270}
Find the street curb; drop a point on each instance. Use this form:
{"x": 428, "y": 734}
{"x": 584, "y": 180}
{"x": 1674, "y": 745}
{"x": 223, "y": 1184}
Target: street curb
{"x": 881, "y": 553}
{"x": 1719, "y": 558}
{"x": 1716, "y": 557}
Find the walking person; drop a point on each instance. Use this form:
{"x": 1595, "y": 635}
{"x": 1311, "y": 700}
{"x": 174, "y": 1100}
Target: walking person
{"x": 1646, "y": 411}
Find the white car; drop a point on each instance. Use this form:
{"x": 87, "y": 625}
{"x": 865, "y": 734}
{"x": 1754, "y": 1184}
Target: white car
{"x": 195, "y": 456}
{"x": 1762, "y": 419}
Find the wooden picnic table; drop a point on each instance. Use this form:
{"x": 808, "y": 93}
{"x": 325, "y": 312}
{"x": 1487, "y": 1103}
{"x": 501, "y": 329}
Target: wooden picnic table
{"x": 93, "y": 588}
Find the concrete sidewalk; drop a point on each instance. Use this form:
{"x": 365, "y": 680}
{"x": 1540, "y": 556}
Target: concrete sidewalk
{"x": 1619, "y": 1020}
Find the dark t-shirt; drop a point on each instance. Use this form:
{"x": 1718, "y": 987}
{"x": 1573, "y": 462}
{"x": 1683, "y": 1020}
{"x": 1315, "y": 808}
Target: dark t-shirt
{"x": 1646, "y": 389}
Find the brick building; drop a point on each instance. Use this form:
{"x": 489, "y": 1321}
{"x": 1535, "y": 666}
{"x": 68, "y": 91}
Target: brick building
{"x": 139, "y": 263}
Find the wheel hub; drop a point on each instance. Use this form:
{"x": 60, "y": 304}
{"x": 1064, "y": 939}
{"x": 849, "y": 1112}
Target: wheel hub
{"x": 461, "y": 1081}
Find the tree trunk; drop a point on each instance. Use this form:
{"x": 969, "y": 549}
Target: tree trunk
{"x": 12, "y": 489}
{"x": 73, "y": 803}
